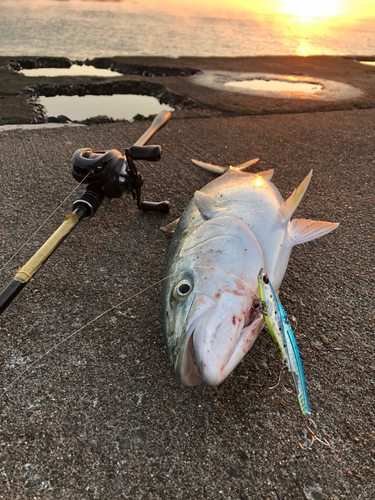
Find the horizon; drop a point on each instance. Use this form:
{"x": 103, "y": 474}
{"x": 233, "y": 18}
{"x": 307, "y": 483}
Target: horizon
{"x": 143, "y": 29}
{"x": 335, "y": 9}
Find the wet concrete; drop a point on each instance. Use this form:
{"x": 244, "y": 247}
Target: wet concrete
{"x": 279, "y": 86}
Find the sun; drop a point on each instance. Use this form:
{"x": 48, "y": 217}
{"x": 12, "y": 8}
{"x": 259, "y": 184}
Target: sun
{"x": 312, "y": 8}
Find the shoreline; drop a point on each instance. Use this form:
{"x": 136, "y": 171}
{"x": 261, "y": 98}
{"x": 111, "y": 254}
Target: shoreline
{"x": 169, "y": 80}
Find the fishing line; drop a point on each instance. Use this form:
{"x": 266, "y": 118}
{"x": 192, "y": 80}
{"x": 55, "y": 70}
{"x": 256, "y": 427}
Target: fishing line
{"x": 40, "y": 227}
{"x": 314, "y": 438}
{"x": 103, "y": 314}
{"x": 79, "y": 330}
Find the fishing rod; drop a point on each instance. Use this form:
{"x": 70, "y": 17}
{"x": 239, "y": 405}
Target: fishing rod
{"x": 109, "y": 174}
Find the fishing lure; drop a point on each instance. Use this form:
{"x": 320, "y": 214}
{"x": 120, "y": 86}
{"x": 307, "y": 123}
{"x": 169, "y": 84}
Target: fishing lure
{"x": 279, "y": 327}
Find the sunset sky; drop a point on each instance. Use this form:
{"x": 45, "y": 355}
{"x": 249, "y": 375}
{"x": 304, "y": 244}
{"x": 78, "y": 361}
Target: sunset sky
{"x": 320, "y": 8}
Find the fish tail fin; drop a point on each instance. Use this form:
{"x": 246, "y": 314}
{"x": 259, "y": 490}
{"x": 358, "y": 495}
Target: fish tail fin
{"x": 304, "y": 230}
{"x": 290, "y": 205}
{"x": 216, "y": 169}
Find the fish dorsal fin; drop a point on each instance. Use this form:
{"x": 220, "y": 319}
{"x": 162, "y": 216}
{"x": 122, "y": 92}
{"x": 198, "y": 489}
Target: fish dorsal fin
{"x": 304, "y": 230}
{"x": 170, "y": 228}
{"x": 266, "y": 174}
{"x": 216, "y": 169}
{"x": 290, "y": 205}
{"x": 209, "y": 206}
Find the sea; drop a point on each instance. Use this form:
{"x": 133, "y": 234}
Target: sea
{"x": 81, "y": 29}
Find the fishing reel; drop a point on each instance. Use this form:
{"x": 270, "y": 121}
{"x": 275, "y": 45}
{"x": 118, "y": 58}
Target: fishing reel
{"x": 108, "y": 175}
{"x": 111, "y": 174}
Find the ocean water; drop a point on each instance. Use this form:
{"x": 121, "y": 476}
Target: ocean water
{"x": 86, "y": 29}
{"x": 117, "y": 106}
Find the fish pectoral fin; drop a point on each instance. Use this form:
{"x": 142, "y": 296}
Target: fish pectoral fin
{"x": 266, "y": 174}
{"x": 304, "y": 230}
{"x": 208, "y": 206}
{"x": 289, "y": 206}
{"x": 171, "y": 227}
{"x": 216, "y": 169}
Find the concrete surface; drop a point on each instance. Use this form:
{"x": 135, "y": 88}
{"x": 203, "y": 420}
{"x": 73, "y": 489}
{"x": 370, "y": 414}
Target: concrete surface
{"x": 101, "y": 416}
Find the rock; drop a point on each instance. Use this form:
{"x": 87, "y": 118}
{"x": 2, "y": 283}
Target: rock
{"x": 124, "y": 445}
{"x": 98, "y": 120}
{"x": 39, "y": 62}
{"x": 137, "y": 69}
{"x": 116, "y": 486}
{"x": 232, "y": 473}
{"x": 141, "y": 434}
{"x": 63, "y": 119}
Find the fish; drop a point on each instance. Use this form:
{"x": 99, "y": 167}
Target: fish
{"x": 279, "y": 327}
{"x": 234, "y": 226}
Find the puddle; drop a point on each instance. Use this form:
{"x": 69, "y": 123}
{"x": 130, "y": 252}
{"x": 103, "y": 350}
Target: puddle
{"x": 117, "y": 106}
{"x": 37, "y": 126}
{"x": 369, "y": 63}
{"x": 74, "y": 70}
{"x": 277, "y": 86}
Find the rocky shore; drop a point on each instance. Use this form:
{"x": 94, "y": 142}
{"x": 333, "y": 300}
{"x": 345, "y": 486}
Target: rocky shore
{"x": 170, "y": 81}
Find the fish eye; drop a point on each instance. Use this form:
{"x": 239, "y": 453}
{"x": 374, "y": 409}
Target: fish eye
{"x": 182, "y": 289}
{"x": 266, "y": 279}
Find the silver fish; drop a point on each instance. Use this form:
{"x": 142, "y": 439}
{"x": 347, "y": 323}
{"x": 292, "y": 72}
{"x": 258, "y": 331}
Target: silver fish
{"x": 236, "y": 225}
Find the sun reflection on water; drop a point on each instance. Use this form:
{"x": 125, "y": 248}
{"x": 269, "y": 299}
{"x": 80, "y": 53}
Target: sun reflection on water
{"x": 304, "y": 34}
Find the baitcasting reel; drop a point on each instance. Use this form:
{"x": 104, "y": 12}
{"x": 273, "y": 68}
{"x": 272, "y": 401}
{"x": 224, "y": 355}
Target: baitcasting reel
{"x": 108, "y": 174}
{"x": 114, "y": 174}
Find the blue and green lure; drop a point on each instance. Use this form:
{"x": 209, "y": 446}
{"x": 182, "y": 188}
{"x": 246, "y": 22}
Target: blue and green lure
{"x": 279, "y": 327}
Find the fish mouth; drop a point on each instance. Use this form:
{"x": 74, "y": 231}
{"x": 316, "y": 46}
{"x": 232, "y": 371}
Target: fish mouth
{"x": 196, "y": 369}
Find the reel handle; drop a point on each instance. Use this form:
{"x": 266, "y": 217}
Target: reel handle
{"x": 152, "y": 206}
{"x": 147, "y": 153}
{"x": 159, "y": 121}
